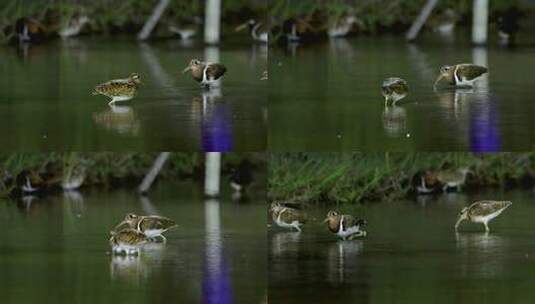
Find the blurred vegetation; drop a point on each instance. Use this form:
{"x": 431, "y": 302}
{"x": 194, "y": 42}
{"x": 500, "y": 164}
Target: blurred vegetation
{"x": 358, "y": 177}
{"x": 106, "y": 169}
{"x": 376, "y": 15}
{"x": 112, "y": 16}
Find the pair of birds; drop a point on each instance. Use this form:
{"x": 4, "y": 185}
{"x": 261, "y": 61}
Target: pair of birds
{"x": 134, "y": 231}
{"x": 345, "y": 226}
{"x": 461, "y": 75}
{"x": 205, "y": 73}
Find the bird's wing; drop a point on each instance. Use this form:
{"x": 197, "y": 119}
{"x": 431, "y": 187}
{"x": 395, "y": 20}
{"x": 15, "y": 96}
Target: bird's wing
{"x": 289, "y": 215}
{"x": 470, "y": 71}
{"x": 487, "y": 207}
{"x": 216, "y": 70}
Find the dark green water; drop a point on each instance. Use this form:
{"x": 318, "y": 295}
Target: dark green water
{"x": 46, "y": 101}
{"x": 326, "y": 97}
{"x": 411, "y": 255}
{"x": 54, "y": 249}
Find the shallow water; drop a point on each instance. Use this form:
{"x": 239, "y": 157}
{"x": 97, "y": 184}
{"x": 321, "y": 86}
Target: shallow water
{"x": 411, "y": 255}
{"x": 55, "y": 249}
{"x": 46, "y": 101}
{"x": 327, "y": 96}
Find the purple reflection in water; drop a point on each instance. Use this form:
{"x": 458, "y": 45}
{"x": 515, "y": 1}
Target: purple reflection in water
{"x": 217, "y": 128}
{"x": 216, "y": 286}
{"x": 484, "y": 132}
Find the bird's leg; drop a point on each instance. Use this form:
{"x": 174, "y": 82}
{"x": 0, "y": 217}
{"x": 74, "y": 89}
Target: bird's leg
{"x": 386, "y": 101}
{"x": 458, "y": 188}
{"x": 486, "y": 227}
{"x": 112, "y": 101}
{"x": 296, "y": 226}
{"x": 163, "y": 238}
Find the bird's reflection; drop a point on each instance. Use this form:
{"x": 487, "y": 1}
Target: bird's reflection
{"x": 342, "y": 48}
{"x": 121, "y": 119}
{"x": 74, "y": 203}
{"x": 394, "y": 121}
{"x": 216, "y": 125}
{"x": 130, "y": 269}
{"x": 342, "y": 261}
{"x": 27, "y": 203}
{"x": 284, "y": 242}
{"x": 481, "y": 254}
{"x": 216, "y": 286}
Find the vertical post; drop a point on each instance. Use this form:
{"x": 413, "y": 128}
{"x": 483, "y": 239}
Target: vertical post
{"x": 212, "y": 18}
{"x": 153, "y": 20}
{"x": 212, "y": 174}
{"x": 480, "y": 21}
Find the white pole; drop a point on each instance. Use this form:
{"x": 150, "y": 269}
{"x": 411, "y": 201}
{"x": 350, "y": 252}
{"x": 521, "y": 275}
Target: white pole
{"x": 479, "y": 57}
{"x": 153, "y": 172}
{"x": 480, "y": 21}
{"x": 212, "y": 21}
{"x": 212, "y": 173}
{"x": 420, "y": 21}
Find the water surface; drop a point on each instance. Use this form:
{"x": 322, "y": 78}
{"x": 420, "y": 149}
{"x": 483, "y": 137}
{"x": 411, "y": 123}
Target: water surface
{"x": 327, "y": 96}
{"x": 411, "y": 255}
{"x": 46, "y": 101}
{"x": 55, "y": 249}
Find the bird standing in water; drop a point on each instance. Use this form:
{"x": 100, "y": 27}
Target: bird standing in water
{"x": 150, "y": 225}
{"x": 394, "y": 89}
{"x": 127, "y": 241}
{"x": 463, "y": 75}
{"x": 205, "y": 73}
{"x": 345, "y": 226}
{"x": 119, "y": 89}
{"x": 482, "y": 212}
{"x": 257, "y": 30}
{"x": 287, "y": 217}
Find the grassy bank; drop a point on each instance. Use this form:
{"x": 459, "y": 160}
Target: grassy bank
{"x": 105, "y": 169}
{"x": 377, "y": 16}
{"x": 365, "y": 177}
{"x": 111, "y": 16}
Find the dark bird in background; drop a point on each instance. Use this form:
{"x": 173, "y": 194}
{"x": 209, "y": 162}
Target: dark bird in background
{"x": 508, "y": 26}
{"x": 241, "y": 177}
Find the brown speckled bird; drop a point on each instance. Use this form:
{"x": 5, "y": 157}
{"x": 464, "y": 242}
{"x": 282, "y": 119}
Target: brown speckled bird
{"x": 127, "y": 241}
{"x": 345, "y": 226}
{"x": 205, "y": 73}
{"x": 482, "y": 212}
{"x": 287, "y": 217}
{"x": 119, "y": 89}
{"x": 464, "y": 74}
{"x": 394, "y": 89}
{"x": 151, "y": 225}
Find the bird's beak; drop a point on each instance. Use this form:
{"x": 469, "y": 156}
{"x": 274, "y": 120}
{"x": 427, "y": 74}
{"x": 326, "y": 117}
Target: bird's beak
{"x": 186, "y": 69}
{"x": 438, "y": 79}
{"x": 240, "y": 27}
{"x": 325, "y": 220}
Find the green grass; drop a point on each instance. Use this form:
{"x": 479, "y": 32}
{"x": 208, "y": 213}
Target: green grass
{"x": 358, "y": 177}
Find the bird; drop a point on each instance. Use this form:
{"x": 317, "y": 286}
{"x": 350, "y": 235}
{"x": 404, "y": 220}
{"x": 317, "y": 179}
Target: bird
{"x": 508, "y": 26}
{"x": 127, "y": 241}
{"x": 464, "y": 74}
{"x": 452, "y": 178}
{"x": 257, "y": 30}
{"x": 342, "y": 26}
{"x": 394, "y": 89}
{"x": 345, "y": 226}
{"x": 205, "y": 73}
{"x": 427, "y": 182}
{"x": 287, "y": 217}
{"x": 186, "y": 29}
{"x": 151, "y": 226}
{"x": 73, "y": 27}
{"x": 119, "y": 89}
{"x": 242, "y": 176}
{"x": 482, "y": 212}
